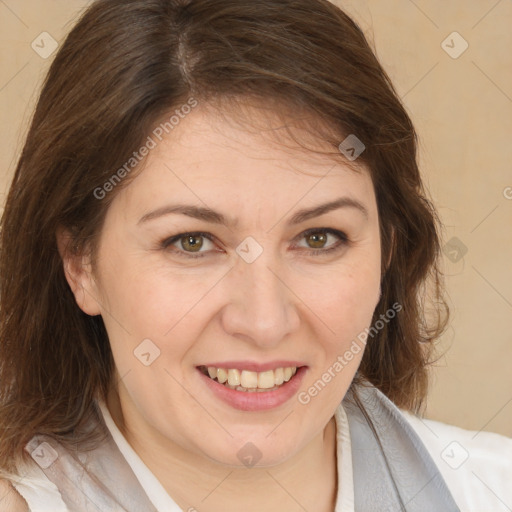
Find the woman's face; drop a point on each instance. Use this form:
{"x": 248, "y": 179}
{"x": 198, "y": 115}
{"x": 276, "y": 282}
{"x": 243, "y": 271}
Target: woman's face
{"x": 268, "y": 289}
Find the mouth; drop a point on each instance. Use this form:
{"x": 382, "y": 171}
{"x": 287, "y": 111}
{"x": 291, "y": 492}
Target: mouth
{"x": 249, "y": 381}
{"x": 251, "y": 386}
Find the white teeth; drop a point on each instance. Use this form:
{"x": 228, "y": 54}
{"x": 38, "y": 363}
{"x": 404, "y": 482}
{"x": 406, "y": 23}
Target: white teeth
{"x": 222, "y": 375}
{"x": 249, "y": 379}
{"x": 233, "y": 377}
{"x": 246, "y": 380}
{"x": 266, "y": 379}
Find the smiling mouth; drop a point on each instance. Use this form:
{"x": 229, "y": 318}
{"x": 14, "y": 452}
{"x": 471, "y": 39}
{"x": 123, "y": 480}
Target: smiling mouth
{"x": 249, "y": 381}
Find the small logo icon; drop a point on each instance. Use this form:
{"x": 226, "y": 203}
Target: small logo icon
{"x": 249, "y": 455}
{"x": 146, "y": 352}
{"x": 44, "y": 455}
{"x": 44, "y": 45}
{"x": 249, "y": 250}
{"x": 454, "y": 45}
{"x": 455, "y": 455}
{"x": 507, "y": 192}
{"x": 351, "y": 147}
{"x": 455, "y": 249}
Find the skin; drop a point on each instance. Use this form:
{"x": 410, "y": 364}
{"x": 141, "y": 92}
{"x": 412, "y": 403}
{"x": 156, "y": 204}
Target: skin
{"x": 288, "y": 304}
{"x": 10, "y": 499}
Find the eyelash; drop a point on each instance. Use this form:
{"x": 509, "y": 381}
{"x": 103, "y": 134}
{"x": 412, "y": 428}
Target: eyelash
{"x": 165, "y": 244}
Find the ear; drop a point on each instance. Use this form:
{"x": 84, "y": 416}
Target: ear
{"x": 78, "y": 272}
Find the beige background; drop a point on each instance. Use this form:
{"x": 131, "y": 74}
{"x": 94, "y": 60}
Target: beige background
{"x": 462, "y": 108}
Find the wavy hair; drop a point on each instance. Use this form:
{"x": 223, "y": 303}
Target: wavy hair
{"x": 125, "y": 65}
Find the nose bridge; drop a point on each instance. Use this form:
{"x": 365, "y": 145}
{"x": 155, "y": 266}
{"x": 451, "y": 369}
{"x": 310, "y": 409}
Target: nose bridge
{"x": 261, "y": 306}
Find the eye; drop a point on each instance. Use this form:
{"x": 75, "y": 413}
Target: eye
{"x": 317, "y": 238}
{"x": 188, "y": 244}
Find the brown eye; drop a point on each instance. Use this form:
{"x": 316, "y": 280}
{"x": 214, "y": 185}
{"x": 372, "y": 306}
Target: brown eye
{"x": 317, "y": 240}
{"x": 191, "y": 243}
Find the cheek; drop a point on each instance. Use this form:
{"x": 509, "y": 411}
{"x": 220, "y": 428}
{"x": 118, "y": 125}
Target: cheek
{"x": 148, "y": 299}
{"x": 347, "y": 296}
{"x": 168, "y": 308}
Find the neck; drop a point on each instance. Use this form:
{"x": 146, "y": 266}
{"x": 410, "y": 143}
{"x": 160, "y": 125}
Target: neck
{"x": 306, "y": 481}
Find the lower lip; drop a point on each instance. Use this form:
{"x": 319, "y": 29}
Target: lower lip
{"x": 256, "y": 401}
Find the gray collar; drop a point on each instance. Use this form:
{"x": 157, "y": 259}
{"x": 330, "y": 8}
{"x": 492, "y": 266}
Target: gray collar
{"x": 392, "y": 469}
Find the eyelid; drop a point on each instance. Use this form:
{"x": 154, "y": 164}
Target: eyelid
{"x": 330, "y": 231}
{"x": 342, "y": 236}
{"x": 168, "y": 242}
{"x": 343, "y": 241}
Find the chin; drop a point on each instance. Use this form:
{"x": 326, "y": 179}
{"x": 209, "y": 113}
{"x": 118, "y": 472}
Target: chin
{"x": 259, "y": 453}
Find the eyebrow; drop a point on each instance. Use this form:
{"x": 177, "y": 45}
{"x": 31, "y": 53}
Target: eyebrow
{"x": 214, "y": 217}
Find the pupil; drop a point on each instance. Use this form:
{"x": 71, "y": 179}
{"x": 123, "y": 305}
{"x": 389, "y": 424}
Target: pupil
{"x": 192, "y": 241}
{"x": 318, "y": 239}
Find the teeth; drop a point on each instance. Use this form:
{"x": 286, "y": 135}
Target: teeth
{"x": 246, "y": 380}
{"x": 249, "y": 379}
{"x": 222, "y": 375}
{"x": 266, "y": 379}
{"x": 233, "y": 377}
{"x": 279, "y": 376}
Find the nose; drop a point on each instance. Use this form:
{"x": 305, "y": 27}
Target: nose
{"x": 262, "y": 308}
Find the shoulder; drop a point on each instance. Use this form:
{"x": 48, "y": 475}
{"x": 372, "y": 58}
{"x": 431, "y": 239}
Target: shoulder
{"x": 30, "y": 490}
{"x": 10, "y": 499}
{"x": 476, "y": 465}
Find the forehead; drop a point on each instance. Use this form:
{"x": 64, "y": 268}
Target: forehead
{"x": 252, "y": 131}
{"x": 244, "y": 159}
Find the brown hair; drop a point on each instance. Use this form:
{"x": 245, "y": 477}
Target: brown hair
{"x": 125, "y": 65}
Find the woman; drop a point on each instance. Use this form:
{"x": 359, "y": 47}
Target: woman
{"x": 215, "y": 252}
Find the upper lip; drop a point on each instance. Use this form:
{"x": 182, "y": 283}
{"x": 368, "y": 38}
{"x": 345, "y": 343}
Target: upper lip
{"x": 254, "y": 366}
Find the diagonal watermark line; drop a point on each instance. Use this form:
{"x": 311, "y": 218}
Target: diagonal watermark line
{"x": 11, "y": 79}
{"x": 492, "y": 8}
{"x": 199, "y": 403}
{"x": 301, "y": 198}
{"x": 10, "y": 490}
{"x": 216, "y": 487}
{"x": 421, "y": 490}
{"x": 427, "y": 73}
{"x": 492, "y": 211}
{"x": 422, "y": 421}
{"x": 497, "y": 497}
{"x": 109, "y": 313}
{"x": 280, "y": 423}
{"x": 186, "y": 313}
{"x": 503, "y": 407}
{"x": 19, "y": 480}
{"x": 84, "y": 5}
{"x": 492, "y": 81}
{"x": 86, "y": 495}
{"x": 425, "y": 14}
{"x": 13, "y": 13}
{"x": 121, "y": 378}
{"x": 488, "y": 282}
{"x": 286, "y": 491}
{"x": 301, "y": 300}
{"x": 204, "y": 202}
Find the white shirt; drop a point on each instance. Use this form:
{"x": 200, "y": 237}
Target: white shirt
{"x": 476, "y": 466}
